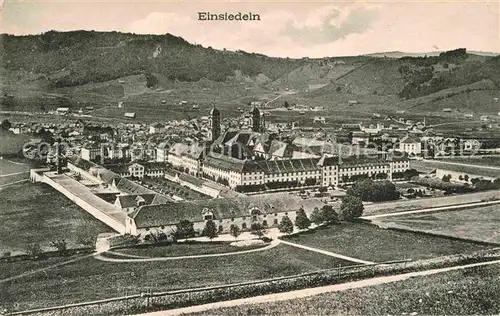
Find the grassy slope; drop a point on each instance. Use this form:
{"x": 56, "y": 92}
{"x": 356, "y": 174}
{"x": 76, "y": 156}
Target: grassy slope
{"x": 116, "y": 56}
{"x": 90, "y": 279}
{"x": 368, "y": 242}
{"x": 36, "y": 213}
{"x": 465, "y": 292}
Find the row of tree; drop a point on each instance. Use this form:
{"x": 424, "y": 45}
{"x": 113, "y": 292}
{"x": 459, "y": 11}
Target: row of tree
{"x": 350, "y": 209}
{"x": 374, "y": 191}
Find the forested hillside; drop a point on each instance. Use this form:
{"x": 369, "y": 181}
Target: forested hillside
{"x": 79, "y": 68}
{"x": 80, "y": 57}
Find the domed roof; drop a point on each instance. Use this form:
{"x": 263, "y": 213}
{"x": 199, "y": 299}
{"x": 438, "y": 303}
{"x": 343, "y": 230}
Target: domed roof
{"x": 214, "y": 111}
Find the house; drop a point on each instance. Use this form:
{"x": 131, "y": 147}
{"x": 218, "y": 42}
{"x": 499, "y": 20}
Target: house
{"x": 360, "y": 138}
{"x": 128, "y": 203}
{"x": 130, "y": 115}
{"x": 62, "y": 111}
{"x": 162, "y": 152}
{"x": 91, "y": 152}
{"x": 136, "y": 170}
{"x": 447, "y": 110}
{"x": 352, "y": 102}
{"x": 411, "y": 146}
{"x": 484, "y": 118}
{"x": 469, "y": 115}
{"x": 156, "y": 128}
{"x": 319, "y": 119}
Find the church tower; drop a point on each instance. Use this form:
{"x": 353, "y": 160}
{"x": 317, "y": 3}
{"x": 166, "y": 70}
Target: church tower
{"x": 215, "y": 123}
{"x": 256, "y": 120}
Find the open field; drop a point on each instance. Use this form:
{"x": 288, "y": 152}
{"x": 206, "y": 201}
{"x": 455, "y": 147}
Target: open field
{"x": 481, "y": 224}
{"x": 90, "y": 279}
{"x": 472, "y": 291}
{"x": 185, "y": 249}
{"x": 476, "y": 160}
{"x": 12, "y": 171}
{"x": 36, "y": 213}
{"x": 422, "y": 203}
{"x": 368, "y": 242}
{"x": 429, "y": 165}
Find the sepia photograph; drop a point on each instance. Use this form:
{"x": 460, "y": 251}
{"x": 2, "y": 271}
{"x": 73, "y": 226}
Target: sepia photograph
{"x": 253, "y": 157}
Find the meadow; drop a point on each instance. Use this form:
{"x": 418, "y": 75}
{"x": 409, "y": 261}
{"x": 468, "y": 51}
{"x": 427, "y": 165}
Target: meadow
{"x": 479, "y": 224}
{"x": 368, "y": 242}
{"x": 89, "y": 279}
{"x": 37, "y": 214}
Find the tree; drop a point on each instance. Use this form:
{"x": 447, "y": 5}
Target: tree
{"x": 210, "y": 230}
{"x": 446, "y": 178}
{"x": 301, "y": 220}
{"x": 235, "y": 230}
{"x": 317, "y": 216}
{"x": 286, "y": 225}
{"x": 286, "y": 104}
{"x": 328, "y": 214}
{"x": 34, "y": 250}
{"x": 184, "y": 229}
{"x": 257, "y": 229}
{"x": 466, "y": 178}
{"x": 323, "y": 189}
{"x": 60, "y": 245}
{"x": 351, "y": 207}
{"x": 410, "y": 173}
{"x": 5, "y": 125}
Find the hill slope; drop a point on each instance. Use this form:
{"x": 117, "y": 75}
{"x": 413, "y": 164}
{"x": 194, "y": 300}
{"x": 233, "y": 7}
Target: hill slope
{"x": 87, "y": 68}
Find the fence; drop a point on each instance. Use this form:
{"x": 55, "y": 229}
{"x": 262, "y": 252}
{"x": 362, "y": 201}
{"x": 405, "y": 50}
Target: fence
{"x": 148, "y": 302}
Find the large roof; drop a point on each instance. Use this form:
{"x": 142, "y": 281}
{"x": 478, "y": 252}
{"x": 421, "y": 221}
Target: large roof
{"x": 214, "y": 111}
{"x": 132, "y": 199}
{"x": 173, "y": 212}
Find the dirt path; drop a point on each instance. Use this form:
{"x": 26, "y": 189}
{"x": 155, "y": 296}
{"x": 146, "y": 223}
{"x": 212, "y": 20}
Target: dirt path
{"x": 273, "y": 244}
{"x": 327, "y": 253}
{"x": 313, "y": 291}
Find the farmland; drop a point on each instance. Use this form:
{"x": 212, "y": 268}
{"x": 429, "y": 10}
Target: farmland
{"x": 368, "y": 242}
{"x": 89, "y": 279}
{"x": 39, "y": 215}
{"x": 480, "y": 224}
{"x": 472, "y": 291}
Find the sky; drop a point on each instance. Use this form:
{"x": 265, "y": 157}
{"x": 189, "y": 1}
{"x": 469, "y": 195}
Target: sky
{"x": 286, "y": 29}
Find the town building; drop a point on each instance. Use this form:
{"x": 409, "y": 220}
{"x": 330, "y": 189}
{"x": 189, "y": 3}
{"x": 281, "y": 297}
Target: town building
{"x": 157, "y": 128}
{"x": 242, "y": 212}
{"x": 411, "y": 146}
